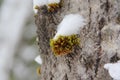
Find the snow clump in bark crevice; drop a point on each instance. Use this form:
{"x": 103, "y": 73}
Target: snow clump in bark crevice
{"x": 113, "y": 69}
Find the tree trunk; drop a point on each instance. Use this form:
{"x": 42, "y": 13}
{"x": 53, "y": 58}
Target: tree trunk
{"x": 99, "y": 41}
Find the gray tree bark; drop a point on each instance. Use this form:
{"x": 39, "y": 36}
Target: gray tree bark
{"x": 99, "y": 41}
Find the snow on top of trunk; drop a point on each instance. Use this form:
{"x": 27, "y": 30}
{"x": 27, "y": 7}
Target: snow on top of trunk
{"x": 71, "y": 24}
{"x": 113, "y": 69}
{"x": 38, "y": 59}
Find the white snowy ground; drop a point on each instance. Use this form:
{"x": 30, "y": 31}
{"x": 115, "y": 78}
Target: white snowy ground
{"x": 14, "y": 16}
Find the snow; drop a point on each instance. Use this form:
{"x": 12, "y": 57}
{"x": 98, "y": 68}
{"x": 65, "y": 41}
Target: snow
{"x": 71, "y": 24}
{"x": 38, "y": 59}
{"x": 39, "y": 3}
{"x": 53, "y": 1}
{"x": 113, "y": 69}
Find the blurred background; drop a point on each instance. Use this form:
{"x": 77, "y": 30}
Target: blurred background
{"x": 18, "y": 46}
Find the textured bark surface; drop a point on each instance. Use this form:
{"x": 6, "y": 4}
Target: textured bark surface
{"x": 100, "y": 41}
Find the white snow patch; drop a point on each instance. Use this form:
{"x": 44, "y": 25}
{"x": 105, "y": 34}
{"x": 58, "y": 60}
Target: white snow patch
{"x": 113, "y": 69}
{"x": 53, "y": 1}
{"x": 71, "y": 24}
{"x": 38, "y": 59}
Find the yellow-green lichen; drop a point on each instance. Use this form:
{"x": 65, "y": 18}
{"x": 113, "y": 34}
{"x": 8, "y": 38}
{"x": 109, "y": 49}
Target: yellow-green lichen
{"x": 64, "y": 44}
{"x": 49, "y": 8}
{"x": 53, "y": 7}
{"x": 38, "y": 71}
{"x": 36, "y": 7}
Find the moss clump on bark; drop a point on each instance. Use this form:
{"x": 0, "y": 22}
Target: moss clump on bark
{"x": 53, "y": 7}
{"x": 49, "y": 8}
{"x": 37, "y": 7}
{"x": 64, "y": 44}
{"x": 38, "y": 71}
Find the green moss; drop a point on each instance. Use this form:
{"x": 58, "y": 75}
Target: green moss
{"x": 36, "y": 7}
{"x": 50, "y": 8}
{"x": 53, "y": 7}
{"x": 38, "y": 71}
{"x": 64, "y": 44}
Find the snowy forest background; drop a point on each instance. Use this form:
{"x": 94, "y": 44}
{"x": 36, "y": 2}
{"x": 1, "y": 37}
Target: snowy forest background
{"x": 17, "y": 40}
